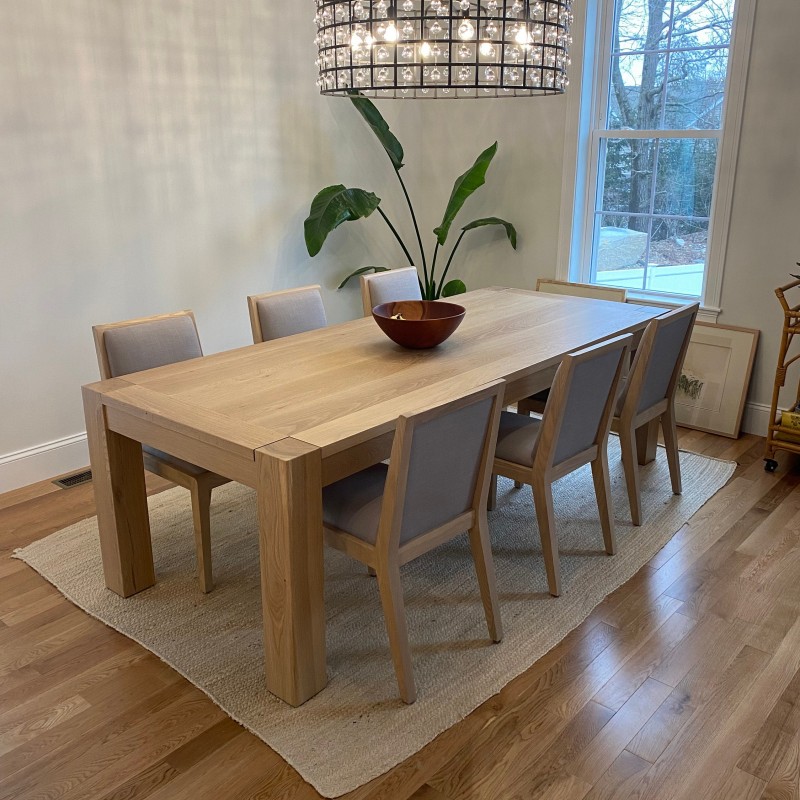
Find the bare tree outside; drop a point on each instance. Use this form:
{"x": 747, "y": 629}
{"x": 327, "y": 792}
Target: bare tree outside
{"x": 668, "y": 68}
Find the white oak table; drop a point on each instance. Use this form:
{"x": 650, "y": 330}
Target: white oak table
{"x": 290, "y": 416}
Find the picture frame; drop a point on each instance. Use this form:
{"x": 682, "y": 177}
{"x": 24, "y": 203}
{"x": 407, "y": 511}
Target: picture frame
{"x": 715, "y": 377}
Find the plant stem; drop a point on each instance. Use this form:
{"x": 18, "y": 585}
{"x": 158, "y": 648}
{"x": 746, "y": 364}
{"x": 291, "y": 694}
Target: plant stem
{"x": 450, "y": 260}
{"x": 416, "y": 226}
{"x": 397, "y": 236}
{"x": 433, "y": 272}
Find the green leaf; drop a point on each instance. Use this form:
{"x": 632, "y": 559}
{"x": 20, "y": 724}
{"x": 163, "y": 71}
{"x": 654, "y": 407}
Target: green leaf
{"x": 361, "y": 271}
{"x": 452, "y": 288}
{"x": 333, "y": 206}
{"x": 511, "y": 231}
{"x": 464, "y": 186}
{"x": 380, "y": 128}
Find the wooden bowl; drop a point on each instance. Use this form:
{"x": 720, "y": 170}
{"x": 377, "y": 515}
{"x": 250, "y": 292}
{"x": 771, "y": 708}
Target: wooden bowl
{"x": 424, "y": 323}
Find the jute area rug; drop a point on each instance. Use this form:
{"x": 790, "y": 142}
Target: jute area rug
{"x": 357, "y": 728}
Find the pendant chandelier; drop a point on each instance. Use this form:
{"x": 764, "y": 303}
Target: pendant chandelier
{"x": 443, "y": 48}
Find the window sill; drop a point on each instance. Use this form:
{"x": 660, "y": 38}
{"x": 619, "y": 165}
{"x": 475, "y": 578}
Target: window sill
{"x": 706, "y": 313}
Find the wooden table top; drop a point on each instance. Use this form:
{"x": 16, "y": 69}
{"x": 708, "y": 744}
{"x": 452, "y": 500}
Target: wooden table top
{"x": 340, "y": 385}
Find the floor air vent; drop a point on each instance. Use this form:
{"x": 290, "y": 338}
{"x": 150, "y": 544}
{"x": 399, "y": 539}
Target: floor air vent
{"x": 74, "y": 480}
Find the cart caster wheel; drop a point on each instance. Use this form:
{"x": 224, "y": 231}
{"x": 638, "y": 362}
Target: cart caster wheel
{"x": 770, "y": 464}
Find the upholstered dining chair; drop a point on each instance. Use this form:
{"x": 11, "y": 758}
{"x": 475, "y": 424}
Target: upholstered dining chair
{"x": 591, "y": 290}
{"x": 435, "y": 487}
{"x": 274, "y": 315}
{"x": 536, "y": 402}
{"x": 140, "y": 344}
{"x": 648, "y": 395}
{"x": 388, "y": 287}
{"x": 572, "y": 432}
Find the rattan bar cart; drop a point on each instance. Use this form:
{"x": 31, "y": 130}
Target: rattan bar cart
{"x": 782, "y": 437}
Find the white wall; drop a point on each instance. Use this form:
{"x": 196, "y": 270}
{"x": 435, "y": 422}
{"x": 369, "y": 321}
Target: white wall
{"x": 161, "y": 154}
{"x": 156, "y": 155}
{"x": 764, "y": 239}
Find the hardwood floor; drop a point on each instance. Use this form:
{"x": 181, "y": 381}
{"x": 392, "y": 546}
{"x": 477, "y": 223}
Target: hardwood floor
{"x": 682, "y": 684}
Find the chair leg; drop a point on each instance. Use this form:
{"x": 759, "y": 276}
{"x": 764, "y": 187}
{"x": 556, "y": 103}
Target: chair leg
{"x": 201, "y": 511}
{"x": 671, "y": 446}
{"x": 543, "y": 500}
{"x": 484, "y": 567}
{"x": 491, "y": 500}
{"x": 524, "y": 407}
{"x": 647, "y": 442}
{"x": 627, "y": 443}
{"x": 605, "y": 506}
{"x": 397, "y": 628}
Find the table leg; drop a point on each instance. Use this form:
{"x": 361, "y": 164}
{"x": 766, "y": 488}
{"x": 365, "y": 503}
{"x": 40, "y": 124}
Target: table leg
{"x": 292, "y": 573}
{"x": 647, "y": 442}
{"x": 121, "y": 501}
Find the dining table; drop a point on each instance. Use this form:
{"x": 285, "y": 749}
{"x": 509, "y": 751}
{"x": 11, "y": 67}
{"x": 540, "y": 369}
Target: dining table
{"x": 290, "y": 416}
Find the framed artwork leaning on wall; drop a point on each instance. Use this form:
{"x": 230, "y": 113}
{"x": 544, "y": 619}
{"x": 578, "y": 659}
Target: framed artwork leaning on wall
{"x": 715, "y": 377}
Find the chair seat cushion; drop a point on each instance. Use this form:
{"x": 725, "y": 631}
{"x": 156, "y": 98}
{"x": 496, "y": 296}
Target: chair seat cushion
{"x": 173, "y": 461}
{"x": 517, "y": 437}
{"x": 353, "y": 504}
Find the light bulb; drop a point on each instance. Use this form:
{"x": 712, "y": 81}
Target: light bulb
{"x": 466, "y": 30}
{"x": 356, "y": 41}
{"x": 391, "y": 34}
{"x": 522, "y": 36}
{"x": 425, "y": 50}
{"x": 487, "y": 49}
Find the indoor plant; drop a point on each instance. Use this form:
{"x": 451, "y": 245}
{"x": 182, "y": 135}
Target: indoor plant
{"x": 337, "y": 204}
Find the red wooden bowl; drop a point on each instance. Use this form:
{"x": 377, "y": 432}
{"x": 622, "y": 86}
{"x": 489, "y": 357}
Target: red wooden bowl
{"x": 421, "y": 323}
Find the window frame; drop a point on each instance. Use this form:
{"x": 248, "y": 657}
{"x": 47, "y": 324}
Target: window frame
{"x": 587, "y": 98}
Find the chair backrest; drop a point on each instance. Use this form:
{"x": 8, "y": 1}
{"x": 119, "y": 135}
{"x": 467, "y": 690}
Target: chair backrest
{"x": 612, "y": 293}
{"x": 440, "y": 465}
{"x": 145, "y": 343}
{"x": 657, "y": 365}
{"x": 581, "y": 402}
{"x": 388, "y": 287}
{"x": 274, "y": 315}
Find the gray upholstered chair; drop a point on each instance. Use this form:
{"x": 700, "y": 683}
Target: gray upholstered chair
{"x": 572, "y": 432}
{"x": 388, "y": 287}
{"x": 140, "y": 344}
{"x": 536, "y": 402}
{"x": 435, "y": 487}
{"x": 648, "y": 397}
{"x": 274, "y": 315}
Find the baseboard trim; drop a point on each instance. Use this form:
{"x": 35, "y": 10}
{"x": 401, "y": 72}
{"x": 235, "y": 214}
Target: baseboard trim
{"x": 756, "y": 418}
{"x": 43, "y": 461}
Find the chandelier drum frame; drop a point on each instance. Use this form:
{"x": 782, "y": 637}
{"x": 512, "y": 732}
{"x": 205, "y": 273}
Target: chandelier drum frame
{"x": 443, "y": 49}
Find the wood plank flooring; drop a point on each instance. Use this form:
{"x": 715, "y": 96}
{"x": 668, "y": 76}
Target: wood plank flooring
{"x": 684, "y": 684}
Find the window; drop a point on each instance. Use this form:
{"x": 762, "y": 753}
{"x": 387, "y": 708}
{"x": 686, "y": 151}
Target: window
{"x": 654, "y": 145}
